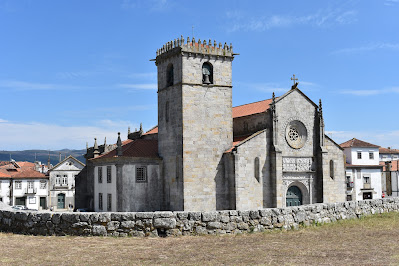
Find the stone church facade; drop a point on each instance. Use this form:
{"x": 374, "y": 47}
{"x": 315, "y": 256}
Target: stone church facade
{"x": 206, "y": 155}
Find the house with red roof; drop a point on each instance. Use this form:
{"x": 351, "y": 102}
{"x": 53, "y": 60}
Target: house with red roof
{"x": 207, "y": 155}
{"x": 363, "y": 170}
{"x": 388, "y": 154}
{"x": 21, "y": 184}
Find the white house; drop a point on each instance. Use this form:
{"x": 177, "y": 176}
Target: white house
{"x": 22, "y": 185}
{"x": 5, "y": 187}
{"x": 62, "y": 182}
{"x": 388, "y": 154}
{"x": 363, "y": 172}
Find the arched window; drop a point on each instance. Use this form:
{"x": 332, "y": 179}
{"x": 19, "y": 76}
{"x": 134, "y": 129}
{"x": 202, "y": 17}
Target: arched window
{"x": 257, "y": 168}
{"x": 169, "y": 75}
{"x": 207, "y": 73}
{"x": 332, "y": 169}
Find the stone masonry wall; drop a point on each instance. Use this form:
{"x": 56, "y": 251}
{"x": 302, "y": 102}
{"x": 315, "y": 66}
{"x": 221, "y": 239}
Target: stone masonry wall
{"x": 188, "y": 223}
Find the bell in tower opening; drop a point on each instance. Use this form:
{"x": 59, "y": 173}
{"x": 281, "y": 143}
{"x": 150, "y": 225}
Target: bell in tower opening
{"x": 207, "y": 73}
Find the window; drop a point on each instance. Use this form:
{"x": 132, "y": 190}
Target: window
{"x": 207, "y": 73}
{"x": 348, "y": 197}
{"x": 332, "y": 169}
{"x": 359, "y": 155}
{"x": 108, "y": 174}
{"x": 169, "y": 75}
{"x": 58, "y": 180}
{"x": 256, "y": 164}
{"x": 371, "y": 155}
{"x": 30, "y": 184}
{"x": 100, "y": 201}
{"x": 141, "y": 174}
{"x": 65, "y": 180}
{"x": 109, "y": 202}
{"x": 43, "y": 184}
{"x": 100, "y": 174}
{"x": 366, "y": 179}
{"x": 18, "y": 184}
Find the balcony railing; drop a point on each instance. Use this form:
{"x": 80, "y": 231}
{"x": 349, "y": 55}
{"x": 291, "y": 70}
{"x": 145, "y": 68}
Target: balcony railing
{"x": 30, "y": 191}
{"x": 60, "y": 186}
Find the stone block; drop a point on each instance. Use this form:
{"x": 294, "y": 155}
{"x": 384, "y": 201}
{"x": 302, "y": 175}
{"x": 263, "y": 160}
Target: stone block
{"x": 166, "y": 223}
{"x": 144, "y": 215}
{"x": 164, "y": 214}
{"x": 127, "y": 224}
{"x": 214, "y": 225}
{"x": 99, "y": 230}
{"x": 113, "y": 225}
{"x": 70, "y": 217}
{"x": 210, "y": 216}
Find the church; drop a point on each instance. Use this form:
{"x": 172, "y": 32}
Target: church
{"x": 206, "y": 155}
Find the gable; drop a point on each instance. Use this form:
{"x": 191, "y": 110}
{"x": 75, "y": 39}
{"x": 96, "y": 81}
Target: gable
{"x": 69, "y": 164}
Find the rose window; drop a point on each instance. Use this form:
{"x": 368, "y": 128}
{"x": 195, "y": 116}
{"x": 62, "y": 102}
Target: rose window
{"x": 293, "y": 134}
{"x": 296, "y": 134}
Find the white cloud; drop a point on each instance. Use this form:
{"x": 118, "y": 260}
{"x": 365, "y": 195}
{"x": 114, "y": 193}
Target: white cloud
{"x": 3, "y": 121}
{"x": 146, "y": 86}
{"x": 370, "y": 92}
{"x": 26, "y": 86}
{"x": 368, "y": 48}
{"x": 391, "y": 2}
{"x": 247, "y": 22}
{"x": 20, "y": 136}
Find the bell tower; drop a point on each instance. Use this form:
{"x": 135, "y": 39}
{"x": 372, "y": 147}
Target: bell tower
{"x": 194, "y": 119}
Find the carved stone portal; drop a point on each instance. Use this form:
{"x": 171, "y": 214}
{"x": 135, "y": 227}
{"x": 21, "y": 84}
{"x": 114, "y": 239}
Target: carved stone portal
{"x": 295, "y": 164}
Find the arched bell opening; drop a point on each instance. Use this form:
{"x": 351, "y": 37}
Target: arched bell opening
{"x": 207, "y": 73}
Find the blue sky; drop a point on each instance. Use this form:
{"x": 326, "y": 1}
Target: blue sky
{"x": 74, "y": 70}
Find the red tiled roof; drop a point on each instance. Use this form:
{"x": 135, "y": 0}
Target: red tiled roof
{"x": 251, "y": 108}
{"x": 238, "y": 111}
{"x": 29, "y": 173}
{"x": 136, "y": 148}
{"x": 385, "y": 150}
{"x": 154, "y": 130}
{"x": 394, "y": 165}
{"x": 357, "y": 143}
{"x": 4, "y": 175}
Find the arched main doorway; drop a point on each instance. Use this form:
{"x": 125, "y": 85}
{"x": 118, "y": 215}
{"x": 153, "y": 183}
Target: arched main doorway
{"x": 294, "y": 196}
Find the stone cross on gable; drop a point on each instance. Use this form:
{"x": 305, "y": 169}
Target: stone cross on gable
{"x": 294, "y": 79}
{"x": 295, "y": 83}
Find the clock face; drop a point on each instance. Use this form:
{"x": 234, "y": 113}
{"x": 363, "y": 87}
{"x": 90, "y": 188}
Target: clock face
{"x": 296, "y": 134}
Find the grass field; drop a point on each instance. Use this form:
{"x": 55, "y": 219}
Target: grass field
{"x": 372, "y": 240}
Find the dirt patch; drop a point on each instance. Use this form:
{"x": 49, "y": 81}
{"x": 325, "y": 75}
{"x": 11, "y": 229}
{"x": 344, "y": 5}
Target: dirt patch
{"x": 372, "y": 240}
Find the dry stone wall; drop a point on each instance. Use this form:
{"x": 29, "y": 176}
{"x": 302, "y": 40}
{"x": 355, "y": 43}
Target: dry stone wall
{"x": 188, "y": 223}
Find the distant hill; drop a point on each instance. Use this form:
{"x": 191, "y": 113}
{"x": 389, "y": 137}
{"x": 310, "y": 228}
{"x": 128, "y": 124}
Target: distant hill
{"x": 42, "y": 155}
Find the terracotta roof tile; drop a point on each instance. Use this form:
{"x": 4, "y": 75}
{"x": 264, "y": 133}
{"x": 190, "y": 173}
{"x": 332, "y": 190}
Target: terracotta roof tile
{"x": 29, "y": 173}
{"x": 251, "y": 108}
{"x": 153, "y": 130}
{"x": 136, "y": 148}
{"x": 394, "y": 165}
{"x": 238, "y": 111}
{"x": 4, "y": 175}
{"x": 357, "y": 143}
{"x": 385, "y": 150}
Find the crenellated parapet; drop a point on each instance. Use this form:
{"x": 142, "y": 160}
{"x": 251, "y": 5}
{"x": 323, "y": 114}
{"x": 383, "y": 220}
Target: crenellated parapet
{"x": 194, "y": 47}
